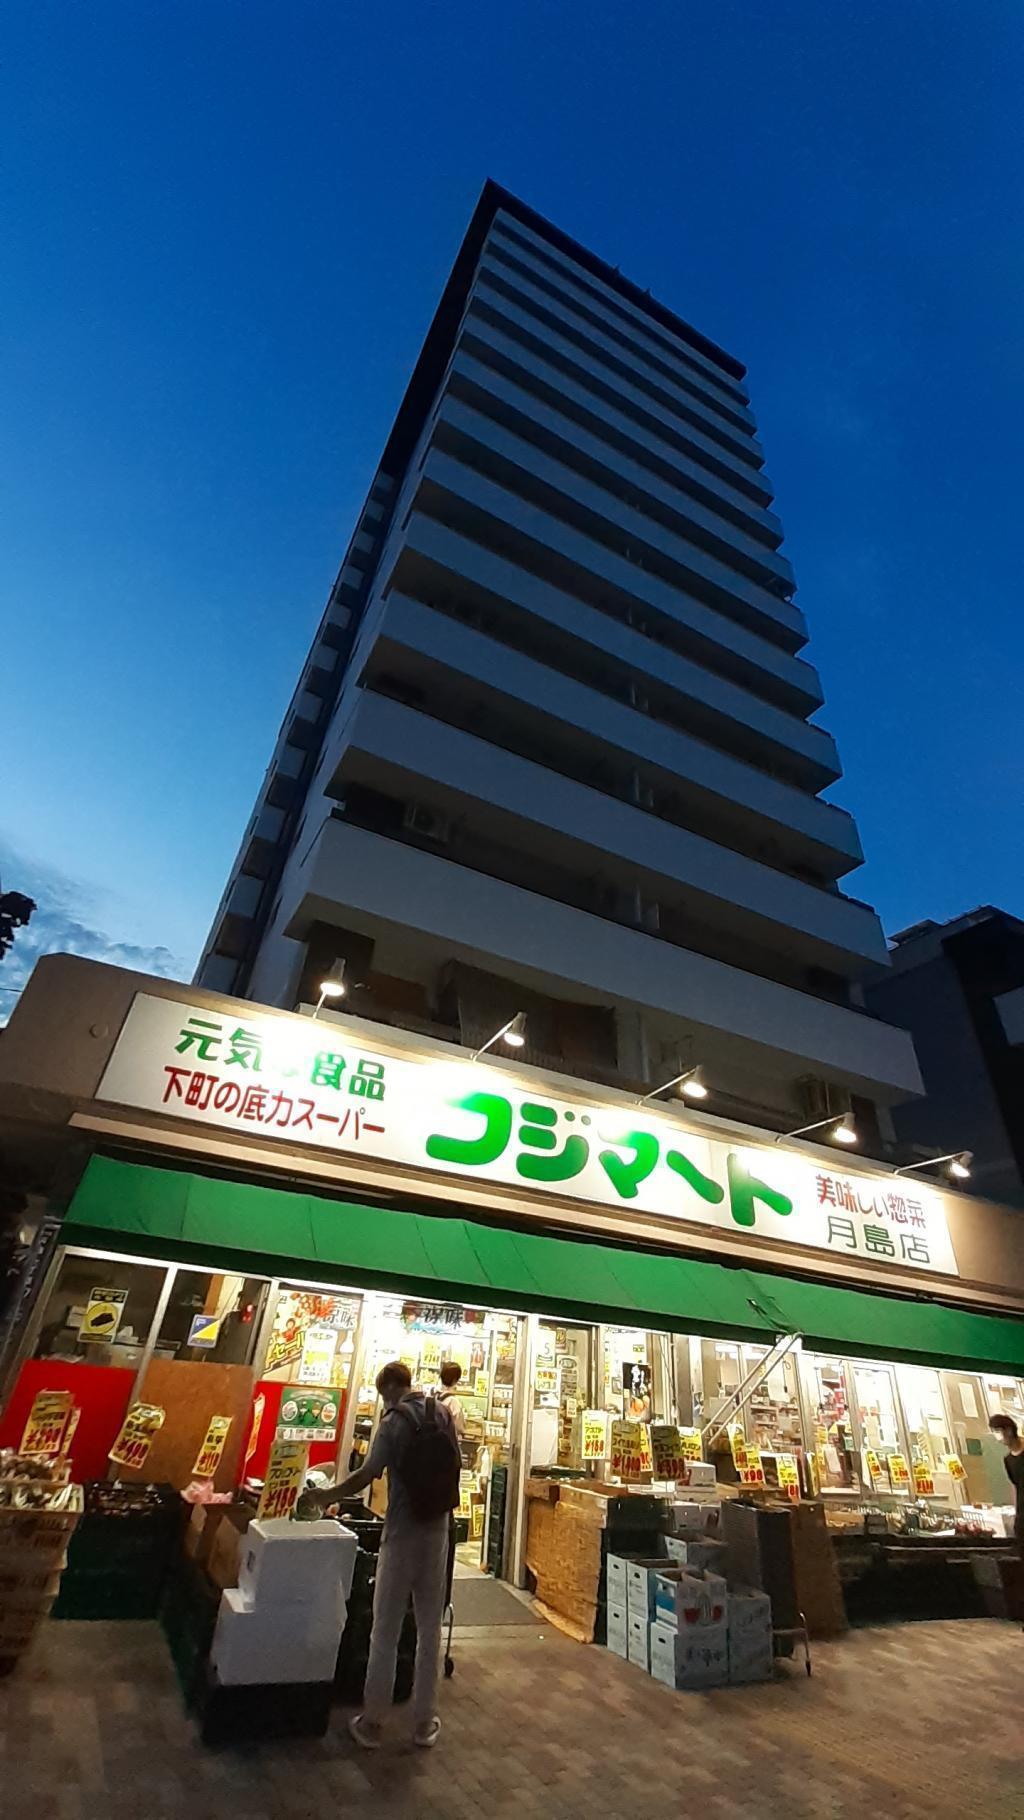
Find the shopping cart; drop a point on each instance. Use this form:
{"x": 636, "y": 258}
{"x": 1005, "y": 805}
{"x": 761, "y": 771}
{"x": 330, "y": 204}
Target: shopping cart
{"x": 449, "y": 1607}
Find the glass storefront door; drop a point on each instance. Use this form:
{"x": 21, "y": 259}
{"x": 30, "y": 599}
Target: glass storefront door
{"x": 981, "y": 1454}
{"x": 830, "y": 1424}
{"x": 928, "y": 1429}
{"x": 559, "y": 1393}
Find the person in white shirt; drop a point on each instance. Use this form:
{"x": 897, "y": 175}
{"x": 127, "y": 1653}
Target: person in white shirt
{"x": 450, "y": 1375}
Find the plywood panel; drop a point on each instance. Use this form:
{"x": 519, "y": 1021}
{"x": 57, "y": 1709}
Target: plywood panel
{"x": 191, "y": 1391}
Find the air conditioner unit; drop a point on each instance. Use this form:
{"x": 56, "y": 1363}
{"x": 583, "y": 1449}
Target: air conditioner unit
{"x": 429, "y": 824}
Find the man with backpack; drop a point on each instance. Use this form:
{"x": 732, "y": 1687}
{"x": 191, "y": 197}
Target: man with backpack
{"x": 415, "y": 1443}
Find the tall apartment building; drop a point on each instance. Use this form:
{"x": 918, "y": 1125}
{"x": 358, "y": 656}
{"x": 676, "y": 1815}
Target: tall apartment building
{"x": 553, "y": 748}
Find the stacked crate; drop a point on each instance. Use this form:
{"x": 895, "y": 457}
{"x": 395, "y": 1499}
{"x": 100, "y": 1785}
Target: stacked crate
{"x": 38, "y": 1514}
{"x": 122, "y": 1552}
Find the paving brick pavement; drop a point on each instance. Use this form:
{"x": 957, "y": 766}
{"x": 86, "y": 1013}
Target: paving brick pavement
{"x": 917, "y": 1722}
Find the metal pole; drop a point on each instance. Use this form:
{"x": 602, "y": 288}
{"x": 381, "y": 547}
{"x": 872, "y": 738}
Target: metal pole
{"x": 783, "y": 1346}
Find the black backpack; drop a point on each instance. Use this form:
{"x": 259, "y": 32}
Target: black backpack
{"x": 430, "y": 1463}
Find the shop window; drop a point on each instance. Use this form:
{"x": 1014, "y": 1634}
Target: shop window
{"x": 772, "y": 1415}
{"x": 970, "y": 1400}
{"x": 560, "y": 1392}
{"x": 425, "y": 1336}
{"x": 100, "y": 1311}
{"x": 875, "y": 1392}
{"x": 1005, "y": 1396}
{"x": 637, "y": 1379}
{"x": 211, "y": 1317}
{"x": 832, "y": 1435}
{"x": 928, "y": 1429}
{"x": 312, "y": 1338}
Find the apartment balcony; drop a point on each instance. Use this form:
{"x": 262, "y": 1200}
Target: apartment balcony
{"x": 366, "y": 882}
{"x": 526, "y": 369}
{"x": 617, "y": 310}
{"x": 433, "y": 562}
{"x": 527, "y": 808}
{"x": 460, "y": 675}
{"x": 475, "y": 391}
{"x": 497, "y": 307}
{"x": 560, "y": 552}
{"x": 554, "y": 313}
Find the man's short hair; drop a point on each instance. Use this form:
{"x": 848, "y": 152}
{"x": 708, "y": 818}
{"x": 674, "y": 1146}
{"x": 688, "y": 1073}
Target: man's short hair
{"x": 1005, "y": 1426}
{"x": 450, "y": 1374}
{"x": 395, "y": 1376}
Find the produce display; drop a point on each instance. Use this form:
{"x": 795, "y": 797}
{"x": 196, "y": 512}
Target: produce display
{"x": 39, "y": 1509}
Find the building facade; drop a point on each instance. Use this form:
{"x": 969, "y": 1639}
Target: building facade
{"x": 958, "y": 987}
{"x": 554, "y": 749}
{"x": 245, "y": 1212}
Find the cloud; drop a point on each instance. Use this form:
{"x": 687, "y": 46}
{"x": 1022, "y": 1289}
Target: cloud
{"x": 67, "y": 920}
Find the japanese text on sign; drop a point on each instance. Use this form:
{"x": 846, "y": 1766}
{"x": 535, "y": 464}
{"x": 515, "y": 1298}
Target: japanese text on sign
{"x": 630, "y": 1449}
{"x": 142, "y": 1423}
{"x": 667, "y": 1456}
{"x": 47, "y": 1424}
{"x": 286, "y": 1476}
{"x": 594, "y": 1434}
{"x": 288, "y": 1079}
{"x": 212, "y": 1450}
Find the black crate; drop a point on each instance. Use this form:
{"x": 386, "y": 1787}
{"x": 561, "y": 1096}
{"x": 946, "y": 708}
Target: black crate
{"x": 243, "y": 1715}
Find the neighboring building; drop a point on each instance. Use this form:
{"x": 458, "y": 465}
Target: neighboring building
{"x": 553, "y": 748}
{"x": 958, "y": 987}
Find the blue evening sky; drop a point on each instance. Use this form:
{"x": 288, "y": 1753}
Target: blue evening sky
{"x": 227, "y": 224}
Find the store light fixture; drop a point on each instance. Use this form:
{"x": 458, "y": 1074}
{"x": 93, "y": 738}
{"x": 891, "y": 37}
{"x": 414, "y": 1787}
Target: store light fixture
{"x": 691, "y": 1083}
{"x": 332, "y": 985}
{"x": 513, "y": 1033}
{"x": 844, "y": 1131}
{"x": 959, "y": 1163}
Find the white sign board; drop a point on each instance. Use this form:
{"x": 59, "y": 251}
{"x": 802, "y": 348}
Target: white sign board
{"x": 297, "y": 1081}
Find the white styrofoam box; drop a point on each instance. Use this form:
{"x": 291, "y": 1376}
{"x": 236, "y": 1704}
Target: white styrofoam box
{"x": 636, "y": 1643}
{"x": 700, "y": 1475}
{"x": 258, "y": 1644}
{"x": 696, "y": 1550}
{"x": 751, "y": 1657}
{"x": 688, "y": 1598}
{"x": 640, "y": 1586}
{"x": 282, "y": 1561}
{"x": 618, "y": 1629}
{"x": 750, "y": 1613}
{"x": 690, "y": 1658}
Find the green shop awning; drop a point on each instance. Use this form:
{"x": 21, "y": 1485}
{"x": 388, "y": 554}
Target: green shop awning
{"x": 194, "y": 1218}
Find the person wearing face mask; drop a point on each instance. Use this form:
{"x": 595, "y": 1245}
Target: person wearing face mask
{"x": 1005, "y": 1428}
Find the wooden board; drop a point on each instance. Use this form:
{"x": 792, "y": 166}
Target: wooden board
{"x": 191, "y": 1391}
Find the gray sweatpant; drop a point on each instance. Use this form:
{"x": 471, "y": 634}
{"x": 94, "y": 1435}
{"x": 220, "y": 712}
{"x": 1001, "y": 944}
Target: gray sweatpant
{"x": 413, "y": 1560}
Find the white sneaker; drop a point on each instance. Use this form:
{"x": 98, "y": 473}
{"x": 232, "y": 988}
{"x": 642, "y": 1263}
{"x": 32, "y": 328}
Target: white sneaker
{"x": 427, "y": 1734}
{"x": 366, "y": 1734}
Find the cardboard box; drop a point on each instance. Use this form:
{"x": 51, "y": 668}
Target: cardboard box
{"x": 687, "y": 1600}
{"x": 696, "y": 1551}
{"x": 750, "y": 1614}
{"x": 699, "y": 1476}
{"x": 637, "y": 1649}
{"x": 690, "y": 1658}
{"x": 751, "y": 1658}
{"x": 640, "y": 1586}
{"x": 702, "y": 1511}
{"x": 618, "y": 1629}
{"x": 256, "y": 1644}
{"x": 281, "y": 1561}
{"x": 226, "y": 1545}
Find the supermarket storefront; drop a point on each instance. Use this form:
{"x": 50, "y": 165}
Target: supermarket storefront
{"x": 273, "y": 1206}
